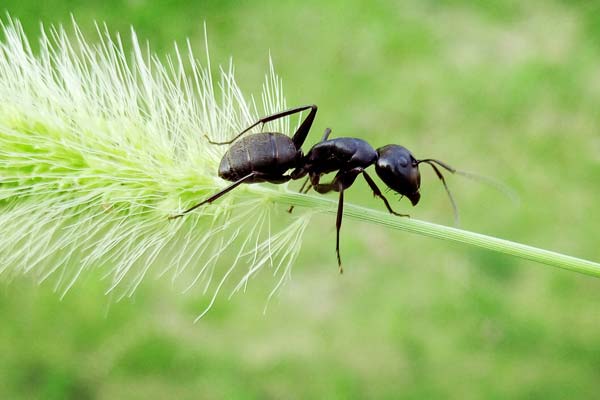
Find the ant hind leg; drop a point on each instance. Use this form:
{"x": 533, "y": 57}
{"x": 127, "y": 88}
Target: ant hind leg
{"x": 216, "y": 195}
{"x": 300, "y": 134}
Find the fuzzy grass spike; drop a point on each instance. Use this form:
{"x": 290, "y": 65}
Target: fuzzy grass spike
{"x": 97, "y": 148}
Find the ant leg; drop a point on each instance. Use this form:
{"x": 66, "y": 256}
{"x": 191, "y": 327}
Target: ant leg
{"x": 217, "y": 195}
{"x": 441, "y": 177}
{"x": 306, "y": 124}
{"x": 377, "y": 193}
{"x": 303, "y": 190}
{"x": 326, "y": 134}
{"x": 324, "y": 187}
{"x": 302, "y": 132}
{"x": 304, "y": 185}
{"x": 341, "y": 181}
{"x": 308, "y": 187}
{"x": 337, "y": 185}
{"x": 338, "y": 225}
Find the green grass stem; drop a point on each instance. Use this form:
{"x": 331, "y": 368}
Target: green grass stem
{"x": 437, "y": 231}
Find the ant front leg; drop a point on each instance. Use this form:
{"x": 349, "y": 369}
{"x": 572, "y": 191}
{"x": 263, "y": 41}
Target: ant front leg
{"x": 302, "y": 131}
{"x": 377, "y": 193}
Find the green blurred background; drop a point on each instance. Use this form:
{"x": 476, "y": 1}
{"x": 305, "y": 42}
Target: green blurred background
{"x": 505, "y": 88}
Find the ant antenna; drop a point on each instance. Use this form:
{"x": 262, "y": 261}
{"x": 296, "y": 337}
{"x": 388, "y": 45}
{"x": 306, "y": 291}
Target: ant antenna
{"x": 431, "y": 163}
{"x": 503, "y": 188}
{"x": 496, "y": 184}
{"x": 438, "y": 162}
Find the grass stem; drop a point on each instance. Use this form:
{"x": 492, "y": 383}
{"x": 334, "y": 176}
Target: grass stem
{"x": 429, "y": 229}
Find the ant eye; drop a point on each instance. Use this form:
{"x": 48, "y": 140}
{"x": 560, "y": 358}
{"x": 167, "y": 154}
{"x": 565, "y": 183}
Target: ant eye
{"x": 403, "y": 161}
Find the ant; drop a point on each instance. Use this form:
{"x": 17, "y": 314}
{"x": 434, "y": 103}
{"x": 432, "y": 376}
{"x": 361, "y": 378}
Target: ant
{"x": 267, "y": 156}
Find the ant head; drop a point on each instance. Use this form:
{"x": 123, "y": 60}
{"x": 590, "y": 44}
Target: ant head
{"x": 399, "y": 170}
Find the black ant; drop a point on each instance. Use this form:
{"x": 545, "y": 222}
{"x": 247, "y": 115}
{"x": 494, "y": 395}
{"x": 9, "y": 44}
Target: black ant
{"x": 267, "y": 156}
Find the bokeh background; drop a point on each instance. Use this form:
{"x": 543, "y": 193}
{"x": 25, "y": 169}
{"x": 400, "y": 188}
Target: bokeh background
{"x": 505, "y": 88}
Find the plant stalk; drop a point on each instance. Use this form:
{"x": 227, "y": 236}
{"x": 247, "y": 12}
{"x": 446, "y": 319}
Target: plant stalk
{"x": 429, "y": 229}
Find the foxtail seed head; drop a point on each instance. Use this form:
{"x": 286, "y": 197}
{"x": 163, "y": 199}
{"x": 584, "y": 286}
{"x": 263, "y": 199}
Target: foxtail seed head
{"x": 98, "y": 145}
